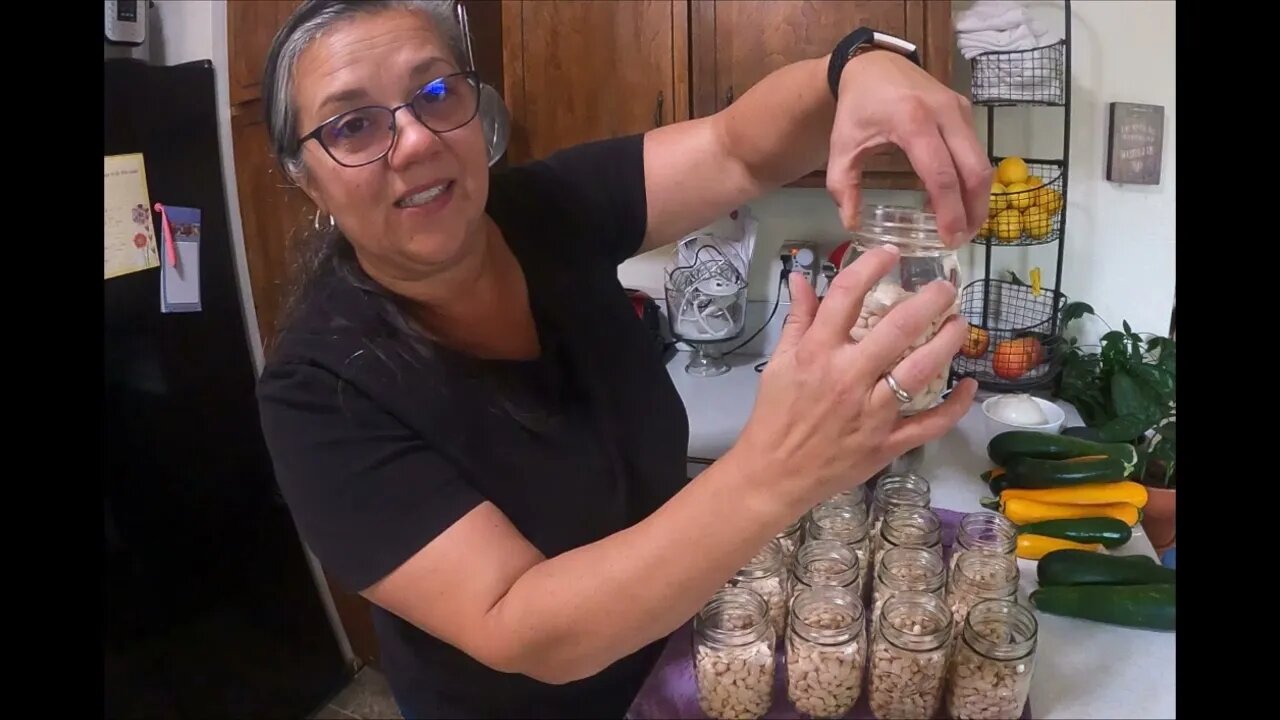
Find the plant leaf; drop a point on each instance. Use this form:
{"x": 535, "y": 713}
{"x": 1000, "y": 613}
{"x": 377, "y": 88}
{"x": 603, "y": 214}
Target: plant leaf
{"x": 1128, "y": 399}
{"x": 1075, "y": 311}
{"x": 1158, "y": 382}
{"x": 1127, "y": 330}
{"x": 1124, "y": 428}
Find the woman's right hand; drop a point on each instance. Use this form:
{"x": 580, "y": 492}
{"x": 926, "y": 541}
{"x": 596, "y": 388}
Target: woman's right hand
{"x": 825, "y": 419}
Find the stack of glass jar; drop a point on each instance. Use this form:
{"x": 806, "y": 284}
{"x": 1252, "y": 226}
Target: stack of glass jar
{"x": 939, "y": 628}
{"x": 846, "y": 524}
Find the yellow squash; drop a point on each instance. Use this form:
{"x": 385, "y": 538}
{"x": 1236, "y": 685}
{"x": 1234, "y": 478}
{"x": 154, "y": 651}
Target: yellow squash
{"x": 1034, "y": 547}
{"x": 1022, "y": 511}
{"x": 1125, "y": 491}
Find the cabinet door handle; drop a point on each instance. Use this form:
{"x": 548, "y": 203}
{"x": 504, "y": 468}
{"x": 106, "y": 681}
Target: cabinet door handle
{"x": 728, "y": 96}
{"x": 657, "y": 112}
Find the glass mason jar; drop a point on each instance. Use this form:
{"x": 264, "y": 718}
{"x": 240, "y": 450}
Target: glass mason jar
{"x": 789, "y": 539}
{"x": 826, "y": 652}
{"x": 733, "y": 655}
{"x": 924, "y": 258}
{"x": 766, "y": 575}
{"x": 981, "y": 575}
{"x": 825, "y": 562}
{"x": 846, "y": 524}
{"x": 908, "y": 527}
{"x": 909, "y": 656}
{"x": 906, "y": 569}
{"x": 855, "y": 497}
{"x": 894, "y": 491}
{"x": 985, "y": 530}
{"x": 992, "y": 665}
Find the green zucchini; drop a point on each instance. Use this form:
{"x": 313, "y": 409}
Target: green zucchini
{"x": 1081, "y": 567}
{"x": 1084, "y": 432}
{"x": 1038, "y": 474}
{"x": 1053, "y": 446}
{"x": 1150, "y": 607}
{"x": 1110, "y": 532}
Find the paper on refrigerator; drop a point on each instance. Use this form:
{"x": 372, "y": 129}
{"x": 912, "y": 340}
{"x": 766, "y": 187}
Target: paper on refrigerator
{"x": 129, "y": 239}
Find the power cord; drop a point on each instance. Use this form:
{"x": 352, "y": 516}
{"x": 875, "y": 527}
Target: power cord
{"x": 777, "y": 298}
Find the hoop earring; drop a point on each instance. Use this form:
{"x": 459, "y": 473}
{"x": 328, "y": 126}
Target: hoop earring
{"x": 316, "y": 223}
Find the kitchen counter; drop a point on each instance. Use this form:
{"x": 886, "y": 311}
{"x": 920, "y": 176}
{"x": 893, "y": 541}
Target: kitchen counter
{"x": 1083, "y": 669}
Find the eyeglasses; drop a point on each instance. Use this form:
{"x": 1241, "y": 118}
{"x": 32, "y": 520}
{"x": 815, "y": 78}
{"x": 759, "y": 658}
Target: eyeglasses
{"x": 365, "y": 135}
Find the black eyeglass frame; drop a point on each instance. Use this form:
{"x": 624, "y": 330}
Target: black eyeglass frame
{"x": 470, "y": 75}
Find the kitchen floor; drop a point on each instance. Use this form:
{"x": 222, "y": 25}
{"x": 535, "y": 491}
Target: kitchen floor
{"x": 368, "y": 697}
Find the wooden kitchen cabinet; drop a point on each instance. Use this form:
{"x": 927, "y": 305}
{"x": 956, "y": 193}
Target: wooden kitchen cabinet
{"x": 578, "y": 70}
{"x": 255, "y": 23}
{"x": 736, "y": 43}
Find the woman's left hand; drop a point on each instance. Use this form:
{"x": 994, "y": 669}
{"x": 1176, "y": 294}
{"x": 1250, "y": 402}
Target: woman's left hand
{"x": 884, "y": 98}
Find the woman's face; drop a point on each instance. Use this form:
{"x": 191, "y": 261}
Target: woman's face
{"x": 415, "y": 209}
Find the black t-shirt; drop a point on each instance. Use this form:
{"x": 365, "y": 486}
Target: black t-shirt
{"x": 379, "y": 448}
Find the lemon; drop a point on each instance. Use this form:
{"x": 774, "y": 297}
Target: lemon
{"x": 1050, "y": 200}
{"x": 1021, "y": 196}
{"x": 1009, "y": 226}
{"x": 985, "y": 231}
{"x": 1011, "y": 170}
{"x": 1036, "y": 222}
{"x": 1033, "y": 181}
{"x": 998, "y": 200}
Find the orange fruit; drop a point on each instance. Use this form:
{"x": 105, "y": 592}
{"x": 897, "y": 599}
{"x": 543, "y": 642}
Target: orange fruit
{"x": 976, "y": 343}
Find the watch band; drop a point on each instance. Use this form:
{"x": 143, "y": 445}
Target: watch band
{"x": 861, "y": 39}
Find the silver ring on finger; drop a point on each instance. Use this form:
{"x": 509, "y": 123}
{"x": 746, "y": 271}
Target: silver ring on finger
{"x": 903, "y": 396}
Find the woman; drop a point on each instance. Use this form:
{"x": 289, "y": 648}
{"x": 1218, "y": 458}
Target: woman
{"x": 467, "y": 420}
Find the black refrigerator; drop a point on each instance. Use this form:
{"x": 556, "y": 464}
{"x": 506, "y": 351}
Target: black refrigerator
{"x": 211, "y": 608}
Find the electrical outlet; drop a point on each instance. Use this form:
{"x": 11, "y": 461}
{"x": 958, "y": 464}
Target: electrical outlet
{"x": 804, "y": 259}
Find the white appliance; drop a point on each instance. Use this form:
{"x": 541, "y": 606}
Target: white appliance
{"x": 126, "y": 21}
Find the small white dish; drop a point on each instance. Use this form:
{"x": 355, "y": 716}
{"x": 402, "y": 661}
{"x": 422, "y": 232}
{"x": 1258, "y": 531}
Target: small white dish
{"x": 1055, "y": 415}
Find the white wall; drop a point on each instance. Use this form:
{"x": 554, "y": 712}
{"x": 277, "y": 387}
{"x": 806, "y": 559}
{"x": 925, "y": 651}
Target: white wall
{"x": 1119, "y": 253}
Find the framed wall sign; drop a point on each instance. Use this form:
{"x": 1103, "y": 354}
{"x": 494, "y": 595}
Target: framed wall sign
{"x": 1135, "y": 143}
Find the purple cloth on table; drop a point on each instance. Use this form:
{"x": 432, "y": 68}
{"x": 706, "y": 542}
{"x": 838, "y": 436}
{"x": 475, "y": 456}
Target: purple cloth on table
{"x": 671, "y": 691}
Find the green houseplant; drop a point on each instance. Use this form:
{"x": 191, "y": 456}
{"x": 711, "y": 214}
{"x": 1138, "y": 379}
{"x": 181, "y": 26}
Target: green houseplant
{"x": 1125, "y": 389}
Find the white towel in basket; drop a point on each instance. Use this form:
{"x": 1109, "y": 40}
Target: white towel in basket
{"x": 999, "y": 25}
{"x": 1002, "y": 26}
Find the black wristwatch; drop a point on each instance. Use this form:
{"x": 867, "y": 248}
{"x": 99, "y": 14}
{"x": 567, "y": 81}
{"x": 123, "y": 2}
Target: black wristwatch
{"x": 861, "y": 40}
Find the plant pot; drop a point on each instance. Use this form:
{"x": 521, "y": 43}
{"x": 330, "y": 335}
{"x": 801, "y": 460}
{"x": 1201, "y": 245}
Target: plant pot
{"x": 1160, "y": 516}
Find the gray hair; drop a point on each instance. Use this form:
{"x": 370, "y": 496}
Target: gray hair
{"x": 311, "y": 20}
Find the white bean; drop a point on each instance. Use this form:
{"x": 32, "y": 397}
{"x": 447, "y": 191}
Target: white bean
{"x": 735, "y": 683}
{"x": 907, "y": 683}
{"x": 825, "y": 681}
{"x": 984, "y": 689}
